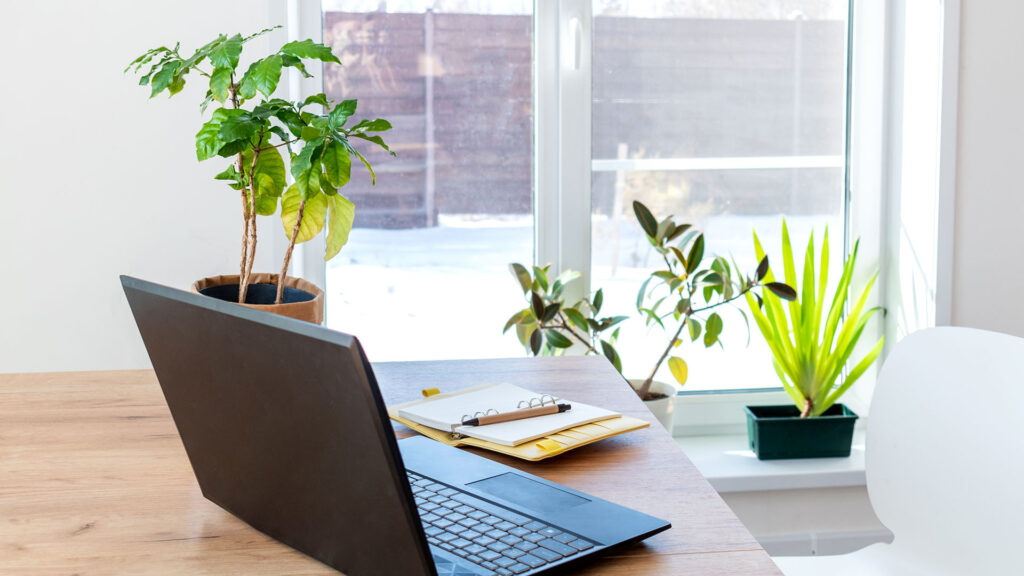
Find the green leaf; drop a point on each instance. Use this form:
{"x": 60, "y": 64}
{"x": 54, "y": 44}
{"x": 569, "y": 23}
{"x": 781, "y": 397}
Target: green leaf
{"x": 262, "y": 76}
{"x": 694, "y": 327}
{"x": 712, "y": 329}
{"x": 269, "y": 163}
{"x": 229, "y": 173}
{"x": 208, "y": 142}
{"x": 537, "y": 303}
{"x": 781, "y": 290}
{"x": 541, "y": 276}
{"x": 309, "y": 49}
{"x": 521, "y": 274}
{"x": 265, "y": 205}
{"x": 292, "y": 61}
{"x": 306, "y": 168}
{"x": 373, "y": 177}
{"x": 376, "y": 140}
{"x": 313, "y": 215}
{"x": 162, "y": 79}
{"x": 341, "y": 113}
{"x": 679, "y": 370}
{"x": 550, "y": 311}
{"x": 517, "y": 318}
{"x": 576, "y": 318}
{"x": 535, "y": 342}
{"x": 762, "y": 269}
{"x": 337, "y": 164}
{"x": 609, "y": 352}
{"x": 226, "y": 54}
{"x": 646, "y": 219}
{"x": 320, "y": 99}
{"x": 240, "y": 126}
{"x": 556, "y": 339}
{"x": 696, "y": 254}
{"x": 376, "y": 125}
{"x": 598, "y": 300}
{"x": 220, "y": 83}
{"x": 339, "y": 223}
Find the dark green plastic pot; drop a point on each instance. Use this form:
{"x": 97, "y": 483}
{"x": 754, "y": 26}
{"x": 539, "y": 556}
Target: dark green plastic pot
{"x": 778, "y": 432}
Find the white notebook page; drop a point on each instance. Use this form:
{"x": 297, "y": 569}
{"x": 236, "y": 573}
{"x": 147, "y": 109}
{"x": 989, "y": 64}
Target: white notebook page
{"x": 445, "y": 412}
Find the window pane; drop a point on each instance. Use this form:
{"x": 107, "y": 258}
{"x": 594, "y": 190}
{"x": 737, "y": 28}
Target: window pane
{"x": 728, "y": 115}
{"x": 424, "y": 275}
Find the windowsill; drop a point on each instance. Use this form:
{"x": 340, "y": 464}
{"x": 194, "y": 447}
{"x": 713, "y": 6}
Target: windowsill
{"x": 730, "y": 466}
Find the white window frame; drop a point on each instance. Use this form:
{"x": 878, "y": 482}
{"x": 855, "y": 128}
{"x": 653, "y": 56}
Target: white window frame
{"x": 563, "y": 163}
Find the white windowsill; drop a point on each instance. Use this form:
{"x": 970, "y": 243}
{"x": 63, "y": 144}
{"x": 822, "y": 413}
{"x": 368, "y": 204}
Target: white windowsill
{"x": 730, "y": 466}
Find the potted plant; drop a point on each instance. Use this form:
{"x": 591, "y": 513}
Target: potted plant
{"x": 683, "y": 296}
{"x": 682, "y": 293}
{"x": 810, "y": 351}
{"x": 252, "y": 129}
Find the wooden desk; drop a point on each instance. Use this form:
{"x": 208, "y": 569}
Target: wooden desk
{"x": 94, "y": 479}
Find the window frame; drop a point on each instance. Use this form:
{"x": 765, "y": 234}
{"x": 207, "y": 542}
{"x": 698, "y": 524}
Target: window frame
{"x": 563, "y": 164}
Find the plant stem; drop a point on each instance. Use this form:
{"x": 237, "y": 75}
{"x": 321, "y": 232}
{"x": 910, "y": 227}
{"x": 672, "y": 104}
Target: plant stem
{"x": 645, "y": 388}
{"x": 279, "y": 145}
{"x": 243, "y": 279}
{"x": 288, "y": 254}
{"x": 589, "y": 343}
{"x": 251, "y": 212}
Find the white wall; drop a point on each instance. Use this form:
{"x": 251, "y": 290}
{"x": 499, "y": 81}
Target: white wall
{"x": 98, "y": 180}
{"x": 989, "y": 242}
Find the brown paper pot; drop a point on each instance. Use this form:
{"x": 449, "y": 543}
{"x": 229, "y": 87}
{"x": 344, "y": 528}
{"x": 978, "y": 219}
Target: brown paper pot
{"x": 302, "y": 300}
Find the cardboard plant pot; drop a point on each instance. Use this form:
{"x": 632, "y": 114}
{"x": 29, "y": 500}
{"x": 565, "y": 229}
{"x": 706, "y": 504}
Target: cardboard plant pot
{"x": 777, "y": 432}
{"x": 302, "y": 300}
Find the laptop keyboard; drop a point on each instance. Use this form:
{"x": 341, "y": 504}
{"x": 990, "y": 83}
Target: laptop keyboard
{"x": 489, "y": 535}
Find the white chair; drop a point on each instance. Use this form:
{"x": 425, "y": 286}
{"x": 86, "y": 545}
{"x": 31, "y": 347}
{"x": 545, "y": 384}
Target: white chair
{"x": 944, "y": 460}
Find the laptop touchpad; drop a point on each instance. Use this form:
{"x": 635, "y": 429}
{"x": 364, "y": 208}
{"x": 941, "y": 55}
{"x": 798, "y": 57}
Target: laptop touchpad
{"x": 528, "y": 493}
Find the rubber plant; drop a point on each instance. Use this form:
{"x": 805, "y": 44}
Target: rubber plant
{"x": 684, "y": 294}
{"x": 809, "y": 350}
{"x": 250, "y": 126}
{"x": 548, "y": 325}
{"x": 681, "y": 292}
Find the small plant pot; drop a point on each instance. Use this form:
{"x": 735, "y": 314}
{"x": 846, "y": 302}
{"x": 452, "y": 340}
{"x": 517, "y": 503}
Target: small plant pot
{"x": 301, "y": 300}
{"x": 777, "y": 432}
{"x": 662, "y": 407}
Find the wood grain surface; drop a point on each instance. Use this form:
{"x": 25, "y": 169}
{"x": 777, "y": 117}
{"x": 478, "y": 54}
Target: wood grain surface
{"x": 94, "y": 479}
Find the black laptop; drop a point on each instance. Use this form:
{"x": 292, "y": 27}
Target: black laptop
{"x": 285, "y": 428}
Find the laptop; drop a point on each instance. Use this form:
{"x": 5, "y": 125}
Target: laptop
{"x": 285, "y": 428}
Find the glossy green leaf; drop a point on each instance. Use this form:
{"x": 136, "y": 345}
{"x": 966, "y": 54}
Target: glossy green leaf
{"x": 517, "y": 318}
{"x": 309, "y": 49}
{"x": 522, "y": 276}
{"x": 645, "y": 218}
{"x": 556, "y": 339}
{"x": 220, "y": 84}
{"x": 337, "y": 164}
{"x": 712, "y": 329}
{"x": 576, "y": 318}
{"x": 226, "y": 54}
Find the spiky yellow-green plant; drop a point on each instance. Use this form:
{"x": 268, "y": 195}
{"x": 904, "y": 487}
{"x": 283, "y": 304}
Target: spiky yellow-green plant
{"x": 809, "y": 351}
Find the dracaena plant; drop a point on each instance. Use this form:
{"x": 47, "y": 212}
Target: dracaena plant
{"x": 810, "y": 350}
{"x": 684, "y": 293}
{"x": 548, "y": 326}
{"x": 250, "y": 127}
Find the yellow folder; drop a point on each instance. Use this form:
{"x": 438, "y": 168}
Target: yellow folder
{"x": 539, "y": 449}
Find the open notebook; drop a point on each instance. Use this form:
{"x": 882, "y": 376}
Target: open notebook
{"x": 446, "y": 411}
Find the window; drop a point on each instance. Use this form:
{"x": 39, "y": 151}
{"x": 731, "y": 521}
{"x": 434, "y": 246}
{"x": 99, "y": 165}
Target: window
{"x": 424, "y": 275}
{"x": 729, "y": 114}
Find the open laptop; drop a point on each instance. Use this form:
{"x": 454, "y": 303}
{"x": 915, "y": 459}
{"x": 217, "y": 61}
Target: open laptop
{"x": 285, "y": 428}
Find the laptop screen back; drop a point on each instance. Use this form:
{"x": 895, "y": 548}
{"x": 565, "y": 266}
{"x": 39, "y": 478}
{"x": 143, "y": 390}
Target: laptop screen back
{"x": 285, "y": 428}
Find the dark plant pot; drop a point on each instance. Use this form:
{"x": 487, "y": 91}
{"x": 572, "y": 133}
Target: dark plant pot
{"x": 778, "y": 432}
{"x": 301, "y": 300}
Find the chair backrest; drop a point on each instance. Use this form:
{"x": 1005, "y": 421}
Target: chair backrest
{"x": 945, "y": 448}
